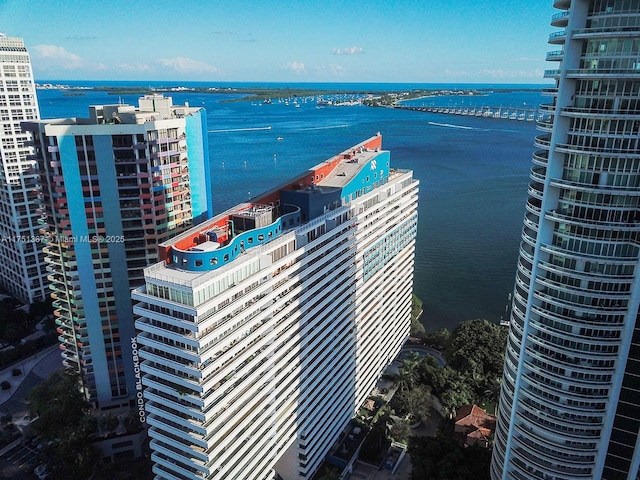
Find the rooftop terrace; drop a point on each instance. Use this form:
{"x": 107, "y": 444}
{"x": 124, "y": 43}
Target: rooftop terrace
{"x": 325, "y": 187}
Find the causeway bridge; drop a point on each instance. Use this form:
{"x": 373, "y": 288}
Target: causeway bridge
{"x": 521, "y": 114}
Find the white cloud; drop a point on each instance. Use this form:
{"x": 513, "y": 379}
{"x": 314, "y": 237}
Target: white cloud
{"x": 348, "y": 51}
{"x": 54, "y": 56}
{"x": 186, "y": 65}
{"x": 143, "y": 67}
{"x": 81, "y": 38}
{"x": 332, "y": 69}
{"x": 297, "y": 67}
{"x": 454, "y": 74}
{"x": 499, "y": 73}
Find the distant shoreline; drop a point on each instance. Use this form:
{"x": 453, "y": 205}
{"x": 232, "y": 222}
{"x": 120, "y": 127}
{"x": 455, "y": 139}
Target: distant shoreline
{"x": 373, "y": 97}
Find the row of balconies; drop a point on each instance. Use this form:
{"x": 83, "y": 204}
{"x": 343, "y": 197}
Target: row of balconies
{"x": 266, "y": 302}
{"x": 551, "y": 466}
{"x": 540, "y": 393}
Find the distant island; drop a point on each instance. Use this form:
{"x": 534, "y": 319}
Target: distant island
{"x": 375, "y": 98}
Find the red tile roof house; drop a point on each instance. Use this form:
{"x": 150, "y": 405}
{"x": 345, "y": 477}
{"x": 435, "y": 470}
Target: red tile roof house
{"x": 474, "y": 426}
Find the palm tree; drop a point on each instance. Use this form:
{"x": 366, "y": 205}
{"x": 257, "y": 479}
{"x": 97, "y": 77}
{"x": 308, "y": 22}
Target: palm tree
{"x": 408, "y": 372}
{"x": 492, "y": 393}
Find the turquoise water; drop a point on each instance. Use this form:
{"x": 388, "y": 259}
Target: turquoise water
{"x": 473, "y": 173}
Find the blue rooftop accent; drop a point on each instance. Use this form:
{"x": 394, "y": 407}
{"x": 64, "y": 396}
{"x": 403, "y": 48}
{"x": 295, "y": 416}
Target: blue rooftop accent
{"x": 359, "y": 172}
{"x": 204, "y": 261}
{"x": 375, "y": 171}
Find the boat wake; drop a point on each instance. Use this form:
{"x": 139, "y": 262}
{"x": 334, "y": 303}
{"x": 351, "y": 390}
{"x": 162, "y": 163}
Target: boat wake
{"x": 239, "y": 129}
{"x": 452, "y": 126}
{"x": 345, "y": 125}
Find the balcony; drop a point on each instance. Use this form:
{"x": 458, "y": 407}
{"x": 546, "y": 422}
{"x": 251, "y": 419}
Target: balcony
{"x": 560, "y": 19}
{"x": 555, "y": 56}
{"x": 533, "y": 458}
{"x": 540, "y": 157}
{"x": 535, "y": 189}
{"x": 615, "y": 31}
{"x": 542, "y": 141}
{"x": 617, "y": 73}
{"x": 538, "y": 174}
{"x": 558, "y": 38}
{"x": 620, "y": 114}
{"x": 562, "y": 4}
{"x": 619, "y": 225}
{"x": 591, "y": 188}
{"x": 547, "y": 108}
{"x": 545, "y": 124}
{"x": 551, "y": 74}
{"x": 606, "y": 146}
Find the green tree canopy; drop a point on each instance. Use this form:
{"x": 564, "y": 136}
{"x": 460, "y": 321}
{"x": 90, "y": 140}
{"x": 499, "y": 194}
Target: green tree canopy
{"x": 417, "y": 329}
{"x": 438, "y": 339}
{"x": 441, "y": 458}
{"x": 475, "y": 356}
{"x": 477, "y": 349}
{"x": 408, "y": 371}
{"x": 416, "y": 402}
{"x": 58, "y": 403}
{"x": 65, "y": 424}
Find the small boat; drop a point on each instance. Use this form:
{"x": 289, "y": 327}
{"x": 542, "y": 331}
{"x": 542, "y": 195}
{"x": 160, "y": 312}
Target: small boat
{"x": 279, "y": 139}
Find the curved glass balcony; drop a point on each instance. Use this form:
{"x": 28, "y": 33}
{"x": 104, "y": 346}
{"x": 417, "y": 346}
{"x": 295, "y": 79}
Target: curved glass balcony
{"x": 555, "y": 73}
{"x": 558, "y": 38}
{"x": 562, "y": 4}
{"x": 540, "y": 157}
{"x": 542, "y": 141}
{"x": 560, "y": 19}
{"x": 555, "y": 56}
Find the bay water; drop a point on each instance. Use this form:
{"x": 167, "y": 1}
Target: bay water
{"x": 473, "y": 174}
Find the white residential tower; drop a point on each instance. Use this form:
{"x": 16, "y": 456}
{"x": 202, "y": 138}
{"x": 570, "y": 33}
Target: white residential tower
{"x": 22, "y": 269}
{"x": 265, "y": 328}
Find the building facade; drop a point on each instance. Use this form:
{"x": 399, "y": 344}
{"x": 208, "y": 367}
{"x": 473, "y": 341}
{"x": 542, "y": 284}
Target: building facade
{"x": 22, "y": 270}
{"x": 569, "y": 407}
{"x": 264, "y": 329}
{"x": 112, "y": 188}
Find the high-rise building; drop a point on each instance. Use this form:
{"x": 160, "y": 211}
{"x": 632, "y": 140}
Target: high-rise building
{"x": 570, "y": 403}
{"x": 112, "y": 188}
{"x": 22, "y": 270}
{"x": 265, "y": 328}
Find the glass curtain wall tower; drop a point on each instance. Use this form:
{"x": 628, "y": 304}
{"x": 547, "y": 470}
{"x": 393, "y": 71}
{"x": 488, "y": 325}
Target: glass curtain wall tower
{"x": 22, "y": 270}
{"x": 569, "y": 407}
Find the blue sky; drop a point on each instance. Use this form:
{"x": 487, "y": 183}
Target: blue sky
{"x": 430, "y": 41}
